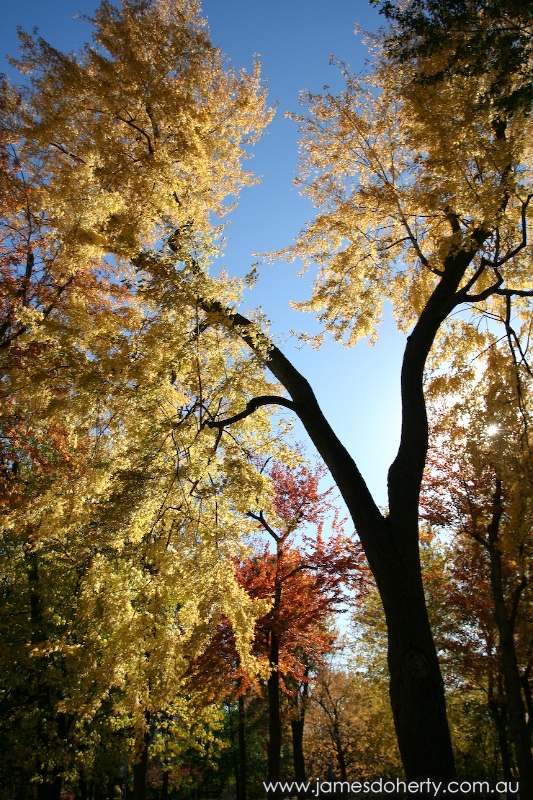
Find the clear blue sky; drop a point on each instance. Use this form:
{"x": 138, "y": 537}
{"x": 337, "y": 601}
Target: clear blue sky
{"x": 357, "y": 388}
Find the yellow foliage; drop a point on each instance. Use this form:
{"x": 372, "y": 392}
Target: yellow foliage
{"x": 124, "y": 513}
{"x": 406, "y": 174}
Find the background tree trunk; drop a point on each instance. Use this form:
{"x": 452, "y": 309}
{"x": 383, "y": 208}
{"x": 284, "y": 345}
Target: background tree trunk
{"x": 516, "y": 706}
{"x": 297, "y": 726}
{"x": 140, "y": 770}
{"x": 241, "y": 794}
{"x": 274, "y": 718}
{"x": 50, "y": 790}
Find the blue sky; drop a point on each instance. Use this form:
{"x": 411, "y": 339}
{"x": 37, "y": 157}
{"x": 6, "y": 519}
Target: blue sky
{"x": 358, "y": 388}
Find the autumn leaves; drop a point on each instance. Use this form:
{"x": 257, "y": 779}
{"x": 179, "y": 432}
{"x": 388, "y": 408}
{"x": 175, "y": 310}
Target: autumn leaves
{"x": 137, "y": 440}
{"x": 121, "y": 519}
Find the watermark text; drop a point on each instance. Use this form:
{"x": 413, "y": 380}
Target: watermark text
{"x": 384, "y": 786}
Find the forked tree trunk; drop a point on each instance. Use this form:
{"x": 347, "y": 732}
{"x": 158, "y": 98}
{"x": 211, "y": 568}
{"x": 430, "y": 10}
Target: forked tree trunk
{"x": 390, "y": 542}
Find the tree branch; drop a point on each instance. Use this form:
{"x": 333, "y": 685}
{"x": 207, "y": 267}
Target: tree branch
{"x": 139, "y": 130}
{"x": 251, "y": 406}
{"x": 344, "y": 470}
{"x": 405, "y": 473}
{"x": 262, "y": 521}
{"x": 512, "y": 253}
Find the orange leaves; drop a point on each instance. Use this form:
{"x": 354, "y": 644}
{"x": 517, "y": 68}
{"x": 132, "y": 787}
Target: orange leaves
{"x": 296, "y": 498}
{"x": 308, "y": 579}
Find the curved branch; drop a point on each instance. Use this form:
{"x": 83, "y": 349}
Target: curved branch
{"x": 368, "y": 519}
{"x": 475, "y": 277}
{"x": 251, "y": 406}
{"x": 485, "y": 294}
{"x": 405, "y": 473}
{"x": 515, "y": 292}
{"x": 139, "y": 130}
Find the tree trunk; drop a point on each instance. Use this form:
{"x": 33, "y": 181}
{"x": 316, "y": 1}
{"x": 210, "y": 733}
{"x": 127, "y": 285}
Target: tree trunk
{"x": 337, "y": 741}
{"x": 274, "y": 717}
{"x": 164, "y": 786}
{"x": 98, "y": 792}
{"x": 140, "y": 770}
{"x": 516, "y": 706}
{"x": 82, "y": 792}
{"x": 498, "y": 712}
{"x": 297, "y": 726}
{"x": 241, "y": 794}
{"x": 416, "y": 686}
{"x": 50, "y": 790}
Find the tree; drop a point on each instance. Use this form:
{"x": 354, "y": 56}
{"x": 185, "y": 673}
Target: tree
{"x": 479, "y": 487}
{"x": 423, "y": 200}
{"x": 119, "y": 532}
{"x": 467, "y": 638}
{"x": 472, "y": 38}
{"x": 305, "y": 583}
{"x": 349, "y": 725}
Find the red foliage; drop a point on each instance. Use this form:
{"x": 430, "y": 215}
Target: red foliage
{"x": 307, "y": 581}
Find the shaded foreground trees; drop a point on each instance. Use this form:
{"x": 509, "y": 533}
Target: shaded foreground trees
{"x": 423, "y": 198}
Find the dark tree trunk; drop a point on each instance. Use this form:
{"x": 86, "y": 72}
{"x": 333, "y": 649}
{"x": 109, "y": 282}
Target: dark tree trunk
{"x": 140, "y": 770}
{"x": 241, "y": 794}
{"x": 98, "y": 792}
{"x": 498, "y": 712}
{"x": 164, "y": 786}
{"x": 337, "y": 740}
{"x": 82, "y": 792}
{"x": 516, "y": 705}
{"x": 50, "y": 790}
{"x": 297, "y": 726}
{"x": 274, "y": 717}
{"x": 416, "y": 686}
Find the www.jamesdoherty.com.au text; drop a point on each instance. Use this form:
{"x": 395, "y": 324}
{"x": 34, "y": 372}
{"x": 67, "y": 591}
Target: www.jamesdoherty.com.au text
{"x": 385, "y": 786}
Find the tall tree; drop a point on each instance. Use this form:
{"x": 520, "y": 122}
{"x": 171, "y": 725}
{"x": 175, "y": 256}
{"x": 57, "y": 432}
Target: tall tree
{"x": 306, "y": 583}
{"x": 349, "y": 724}
{"x": 105, "y": 388}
